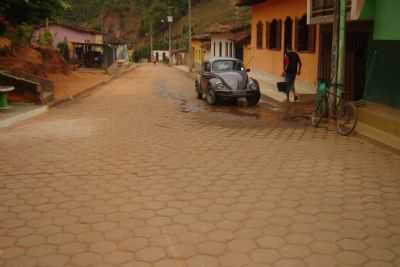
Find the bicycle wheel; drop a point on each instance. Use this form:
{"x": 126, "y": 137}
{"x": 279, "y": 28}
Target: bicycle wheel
{"x": 319, "y": 112}
{"x": 347, "y": 118}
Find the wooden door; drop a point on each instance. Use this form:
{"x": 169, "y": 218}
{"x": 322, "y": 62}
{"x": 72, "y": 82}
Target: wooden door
{"x": 324, "y": 69}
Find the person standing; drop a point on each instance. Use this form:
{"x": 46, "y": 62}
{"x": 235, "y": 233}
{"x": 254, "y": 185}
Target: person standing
{"x": 292, "y": 68}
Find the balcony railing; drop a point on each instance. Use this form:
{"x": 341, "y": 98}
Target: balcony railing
{"x": 247, "y": 2}
{"x": 323, "y": 10}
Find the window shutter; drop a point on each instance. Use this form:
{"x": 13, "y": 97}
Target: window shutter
{"x": 311, "y": 37}
{"x": 267, "y": 45}
{"x": 258, "y": 35}
{"x": 296, "y": 37}
{"x": 279, "y": 35}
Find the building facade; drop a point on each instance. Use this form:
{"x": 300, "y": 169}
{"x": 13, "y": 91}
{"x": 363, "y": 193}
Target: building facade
{"x": 160, "y": 56}
{"x": 372, "y": 53}
{"x": 200, "y": 49}
{"x": 222, "y": 47}
{"x": 275, "y": 25}
{"x": 72, "y": 34}
{"x": 220, "y": 41}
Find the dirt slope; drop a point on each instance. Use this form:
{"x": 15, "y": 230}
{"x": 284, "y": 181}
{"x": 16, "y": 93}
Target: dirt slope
{"x": 209, "y": 12}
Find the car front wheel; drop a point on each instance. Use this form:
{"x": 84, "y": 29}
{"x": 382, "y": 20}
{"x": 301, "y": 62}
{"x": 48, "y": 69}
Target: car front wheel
{"x": 211, "y": 97}
{"x": 253, "y": 99}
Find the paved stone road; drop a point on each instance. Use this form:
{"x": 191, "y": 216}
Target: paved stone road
{"x": 142, "y": 174}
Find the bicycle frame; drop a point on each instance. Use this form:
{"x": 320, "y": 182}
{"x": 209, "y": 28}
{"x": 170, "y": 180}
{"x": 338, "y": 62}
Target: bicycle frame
{"x": 339, "y": 97}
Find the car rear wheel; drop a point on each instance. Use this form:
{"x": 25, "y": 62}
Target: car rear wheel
{"x": 198, "y": 90}
{"x": 254, "y": 99}
{"x": 211, "y": 97}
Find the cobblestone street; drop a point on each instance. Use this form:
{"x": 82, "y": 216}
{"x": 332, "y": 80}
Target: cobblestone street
{"x": 142, "y": 174}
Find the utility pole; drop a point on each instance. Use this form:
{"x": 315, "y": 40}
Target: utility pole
{"x": 170, "y": 19}
{"x": 342, "y": 44}
{"x": 338, "y": 50}
{"x": 190, "y": 35}
{"x": 170, "y": 44}
{"x": 335, "y": 55}
{"x": 151, "y": 40}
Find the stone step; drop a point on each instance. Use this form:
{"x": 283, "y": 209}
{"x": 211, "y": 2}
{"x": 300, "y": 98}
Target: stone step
{"x": 381, "y": 123}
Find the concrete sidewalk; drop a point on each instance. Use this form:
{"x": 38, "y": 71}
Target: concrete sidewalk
{"x": 20, "y": 112}
{"x": 268, "y": 87}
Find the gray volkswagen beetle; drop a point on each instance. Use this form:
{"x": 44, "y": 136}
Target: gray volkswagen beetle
{"x": 226, "y": 78}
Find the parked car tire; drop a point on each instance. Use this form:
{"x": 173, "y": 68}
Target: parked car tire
{"x": 211, "y": 97}
{"x": 254, "y": 99}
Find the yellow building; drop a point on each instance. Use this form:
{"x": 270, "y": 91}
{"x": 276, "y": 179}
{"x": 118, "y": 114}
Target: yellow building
{"x": 200, "y": 49}
{"x": 278, "y": 24}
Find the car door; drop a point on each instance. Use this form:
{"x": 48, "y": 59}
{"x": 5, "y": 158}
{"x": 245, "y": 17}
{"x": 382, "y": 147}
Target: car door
{"x": 205, "y": 76}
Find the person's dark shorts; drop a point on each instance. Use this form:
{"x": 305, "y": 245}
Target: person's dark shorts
{"x": 290, "y": 79}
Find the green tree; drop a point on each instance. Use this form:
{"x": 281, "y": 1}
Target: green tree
{"x": 31, "y": 11}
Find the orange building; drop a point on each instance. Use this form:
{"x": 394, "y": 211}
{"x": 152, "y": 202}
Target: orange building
{"x": 277, "y": 24}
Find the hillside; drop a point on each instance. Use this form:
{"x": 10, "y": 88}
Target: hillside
{"x": 129, "y": 20}
{"x": 209, "y": 12}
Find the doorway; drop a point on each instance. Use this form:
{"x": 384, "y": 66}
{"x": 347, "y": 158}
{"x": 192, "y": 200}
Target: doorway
{"x": 239, "y": 51}
{"x": 358, "y": 35}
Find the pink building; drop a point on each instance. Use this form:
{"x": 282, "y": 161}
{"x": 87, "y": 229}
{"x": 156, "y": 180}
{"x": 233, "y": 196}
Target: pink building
{"x": 72, "y": 34}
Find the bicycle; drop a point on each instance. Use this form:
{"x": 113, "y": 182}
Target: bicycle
{"x": 346, "y": 115}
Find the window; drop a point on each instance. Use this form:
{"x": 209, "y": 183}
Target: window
{"x": 214, "y": 49}
{"x": 322, "y": 11}
{"x": 260, "y": 35}
{"x": 226, "y": 49}
{"x": 305, "y": 35}
{"x": 274, "y": 34}
{"x": 227, "y": 65}
{"x": 231, "y": 50}
{"x": 220, "y": 49}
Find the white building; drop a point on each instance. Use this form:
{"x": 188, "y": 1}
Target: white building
{"x": 160, "y": 55}
{"x": 221, "y": 47}
{"x": 228, "y": 40}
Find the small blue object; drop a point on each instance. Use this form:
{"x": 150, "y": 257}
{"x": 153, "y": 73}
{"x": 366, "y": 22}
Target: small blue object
{"x": 322, "y": 87}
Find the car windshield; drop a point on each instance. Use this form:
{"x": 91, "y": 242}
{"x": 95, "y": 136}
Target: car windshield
{"x": 227, "y": 65}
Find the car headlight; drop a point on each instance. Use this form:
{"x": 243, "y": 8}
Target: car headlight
{"x": 252, "y": 85}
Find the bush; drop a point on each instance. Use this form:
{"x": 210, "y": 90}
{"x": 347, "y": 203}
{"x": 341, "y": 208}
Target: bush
{"x": 46, "y": 39}
{"x": 64, "y": 50}
{"x": 140, "y": 53}
{"x": 3, "y": 28}
{"x": 22, "y": 35}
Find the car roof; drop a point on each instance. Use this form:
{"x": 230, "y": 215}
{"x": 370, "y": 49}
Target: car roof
{"x": 223, "y": 58}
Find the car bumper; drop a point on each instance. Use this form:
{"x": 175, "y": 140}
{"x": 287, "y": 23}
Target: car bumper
{"x": 236, "y": 94}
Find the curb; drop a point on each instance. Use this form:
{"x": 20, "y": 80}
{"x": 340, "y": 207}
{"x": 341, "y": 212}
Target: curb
{"x": 191, "y": 75}
{"x": 23, "y": 117}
